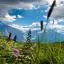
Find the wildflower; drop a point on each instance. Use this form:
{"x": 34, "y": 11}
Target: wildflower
{"x": 15, "y": 52}
{"x": 2, "y": 46}
{"x": 27, "y": 57}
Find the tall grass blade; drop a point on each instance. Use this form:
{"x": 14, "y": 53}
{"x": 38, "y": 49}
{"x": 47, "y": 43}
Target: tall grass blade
{"x": 51, "y": 9}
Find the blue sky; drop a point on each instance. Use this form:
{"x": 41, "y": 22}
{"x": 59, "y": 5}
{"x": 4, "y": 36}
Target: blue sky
{"x": 22, "y": 15}
{"x": 29, "y": 16}
{"x": 29, "y": 12}
{"x": 26, "y": 14}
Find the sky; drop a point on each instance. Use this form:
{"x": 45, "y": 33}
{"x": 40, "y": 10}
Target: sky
{"x": 26, "y": 17}
{"x": 28, "y": 13}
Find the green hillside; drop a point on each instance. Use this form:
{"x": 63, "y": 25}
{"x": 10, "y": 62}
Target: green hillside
{"x": 30, "y": 53}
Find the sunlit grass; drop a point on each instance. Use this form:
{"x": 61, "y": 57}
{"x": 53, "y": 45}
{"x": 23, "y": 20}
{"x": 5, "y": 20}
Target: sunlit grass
{"x": 30, "y": 53}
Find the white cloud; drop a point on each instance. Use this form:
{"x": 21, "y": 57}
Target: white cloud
{"x": 45, "y": 17}
{"x": 4, "y": 8}
{"x": 33, "y": 26}
{"x": 23, "y": 4}
{"x": 56, "y": 26}
{"x": 58, "y": 12}
{"x": 58, "y": 2}
{"x": 6, "y": 5}
{"x": 9, "y": 18}
{"x": 19, "y": 27}
{"x": 19, "y": 16}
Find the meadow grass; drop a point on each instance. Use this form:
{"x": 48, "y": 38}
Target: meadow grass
{"x": 30, "y": 53}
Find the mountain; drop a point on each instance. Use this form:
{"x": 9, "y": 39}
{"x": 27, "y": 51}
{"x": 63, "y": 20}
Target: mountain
{"x": 13, "y": 31}
{"x": 5, "y": 29}
{"x": 2, "y": 28}
{"x": 49, "y": 36}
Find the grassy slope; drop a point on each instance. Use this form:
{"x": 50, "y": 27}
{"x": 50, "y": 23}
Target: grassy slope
{"x": 31, "y": 53}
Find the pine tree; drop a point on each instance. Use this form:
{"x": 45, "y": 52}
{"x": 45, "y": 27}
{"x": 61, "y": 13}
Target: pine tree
{"x": 15, "y": 38}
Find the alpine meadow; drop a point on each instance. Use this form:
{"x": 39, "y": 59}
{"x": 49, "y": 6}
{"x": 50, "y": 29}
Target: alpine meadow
{"x": 31, "y": 31}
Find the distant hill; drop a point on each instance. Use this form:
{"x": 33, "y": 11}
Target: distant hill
{"x": 5, "y": 29}
{"x": 49, "y": 36}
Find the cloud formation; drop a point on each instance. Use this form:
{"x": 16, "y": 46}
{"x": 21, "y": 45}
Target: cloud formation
{"x": 58, "y": 10}
{"x": 6, "y": 5}
{"x": 33, "y": 26}
{"x": 58, "y": 2}
{"x": 9, "y": 18}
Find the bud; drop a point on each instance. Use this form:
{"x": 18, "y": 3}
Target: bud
{"x": 41, "y": 24}
{"x": 14, "y": 38}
